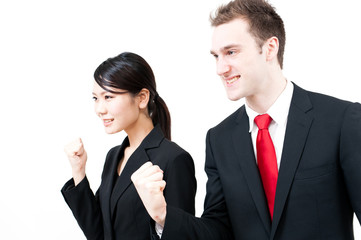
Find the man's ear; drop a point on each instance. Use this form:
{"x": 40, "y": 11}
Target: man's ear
{"x": 271, "y": 48}
{"x": 143, "y": 97}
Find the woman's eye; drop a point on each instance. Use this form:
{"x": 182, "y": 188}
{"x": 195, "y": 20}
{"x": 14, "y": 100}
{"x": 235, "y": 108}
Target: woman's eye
{"x": 94, "y": 98}
{"x": 107, "y": 97}
{"x": 231, "y": 52}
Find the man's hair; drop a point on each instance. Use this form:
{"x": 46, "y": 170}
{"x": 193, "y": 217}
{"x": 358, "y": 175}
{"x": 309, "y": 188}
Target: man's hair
{"x": 262, "y": 18}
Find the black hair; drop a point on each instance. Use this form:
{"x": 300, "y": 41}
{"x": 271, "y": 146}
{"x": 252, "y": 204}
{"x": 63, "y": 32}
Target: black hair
{"x": 129, "y": 71}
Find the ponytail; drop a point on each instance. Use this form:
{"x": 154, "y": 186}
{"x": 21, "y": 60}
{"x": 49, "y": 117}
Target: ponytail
{"x": 160, "y": 115}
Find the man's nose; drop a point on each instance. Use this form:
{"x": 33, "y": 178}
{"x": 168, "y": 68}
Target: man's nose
{"x": 223, "y": 67}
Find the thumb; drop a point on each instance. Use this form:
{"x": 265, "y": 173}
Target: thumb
{"x": 162, "y": 185}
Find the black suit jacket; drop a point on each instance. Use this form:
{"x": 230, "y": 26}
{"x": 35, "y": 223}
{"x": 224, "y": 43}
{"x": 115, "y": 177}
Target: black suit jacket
{"x": 319, "y": 182}
{"x": 118, "y": 213}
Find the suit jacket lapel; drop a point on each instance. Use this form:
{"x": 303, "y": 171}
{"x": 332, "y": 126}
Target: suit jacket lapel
{"x": 298, "y": 126}
{"x": 109, "y": 173}
{"x": 245, "y": 153}
{"x": 136, "y": 160}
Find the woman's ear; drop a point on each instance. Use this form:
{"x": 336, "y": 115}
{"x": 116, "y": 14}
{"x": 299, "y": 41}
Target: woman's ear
{"x": 143, "y": 97}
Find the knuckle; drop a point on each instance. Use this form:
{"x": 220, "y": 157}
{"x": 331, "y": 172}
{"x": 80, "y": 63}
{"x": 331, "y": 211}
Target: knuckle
{"x": 148, "y": 185}
{"x": 141, "y": 182}
{"x": 133, "y": 177}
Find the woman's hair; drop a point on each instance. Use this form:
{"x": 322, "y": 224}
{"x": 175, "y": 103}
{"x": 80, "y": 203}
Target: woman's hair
{"x": 129, "y": 71}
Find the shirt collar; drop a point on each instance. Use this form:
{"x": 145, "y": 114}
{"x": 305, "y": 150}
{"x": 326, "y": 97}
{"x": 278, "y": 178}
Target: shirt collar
{"x": 278, "y": 111}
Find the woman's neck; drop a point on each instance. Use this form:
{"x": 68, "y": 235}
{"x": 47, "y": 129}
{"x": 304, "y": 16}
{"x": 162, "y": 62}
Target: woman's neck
{"x": 139, "y": 131}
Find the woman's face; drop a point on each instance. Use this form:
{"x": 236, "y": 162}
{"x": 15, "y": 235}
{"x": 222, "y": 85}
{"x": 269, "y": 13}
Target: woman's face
{"x": 117, "y": 111}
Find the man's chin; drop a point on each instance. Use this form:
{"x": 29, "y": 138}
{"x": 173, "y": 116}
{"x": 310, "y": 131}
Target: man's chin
{"x": 233, "y": 97}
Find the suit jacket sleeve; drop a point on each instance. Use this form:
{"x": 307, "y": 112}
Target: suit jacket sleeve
{"x": 350, "y": 155}
{"x": 214, "y": 223}
{"x": 85, "y": 208}
{"x": 181, "y": 185}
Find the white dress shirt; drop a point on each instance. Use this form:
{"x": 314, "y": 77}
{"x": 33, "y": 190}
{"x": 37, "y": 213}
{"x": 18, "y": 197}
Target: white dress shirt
{"x": 277, "y": 128}
{"x": 158, "y": 230}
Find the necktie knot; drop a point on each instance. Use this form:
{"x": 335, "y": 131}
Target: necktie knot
{"x": 263, "y": 121}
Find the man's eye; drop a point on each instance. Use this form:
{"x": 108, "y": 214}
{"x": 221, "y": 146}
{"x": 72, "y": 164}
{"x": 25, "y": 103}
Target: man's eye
{"x": 231, "y": 52}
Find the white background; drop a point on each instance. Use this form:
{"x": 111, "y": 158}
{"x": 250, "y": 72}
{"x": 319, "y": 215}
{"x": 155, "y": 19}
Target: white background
{"x": 50, "y": 49}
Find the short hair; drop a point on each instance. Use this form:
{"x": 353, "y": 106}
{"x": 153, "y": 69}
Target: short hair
{"x": 262, "y": 18}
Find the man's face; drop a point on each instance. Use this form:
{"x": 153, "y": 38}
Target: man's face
{"x": 241, "y": 63}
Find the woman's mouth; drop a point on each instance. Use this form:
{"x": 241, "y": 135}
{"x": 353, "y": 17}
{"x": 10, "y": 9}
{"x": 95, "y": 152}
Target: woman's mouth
{"x": 107, "y": 122}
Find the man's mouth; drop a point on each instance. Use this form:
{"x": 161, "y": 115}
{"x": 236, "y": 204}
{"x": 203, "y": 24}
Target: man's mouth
{"x": 232, "y": 80}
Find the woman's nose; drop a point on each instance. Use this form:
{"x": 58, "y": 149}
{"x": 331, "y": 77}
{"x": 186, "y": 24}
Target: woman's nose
{"x": 99, "y": 108}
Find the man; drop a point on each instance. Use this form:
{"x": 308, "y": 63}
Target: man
{"x": 296, "y": 178}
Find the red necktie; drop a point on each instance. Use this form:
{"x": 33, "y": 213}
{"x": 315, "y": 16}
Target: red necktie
{"x": 266, "y": 158}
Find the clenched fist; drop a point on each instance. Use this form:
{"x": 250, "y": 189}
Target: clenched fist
{"x": 77, "y": 157}
{"x": 148, "y": 180}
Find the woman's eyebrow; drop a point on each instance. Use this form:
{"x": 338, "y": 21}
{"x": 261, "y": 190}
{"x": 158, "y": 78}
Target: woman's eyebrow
{"x": 101, "y": 93}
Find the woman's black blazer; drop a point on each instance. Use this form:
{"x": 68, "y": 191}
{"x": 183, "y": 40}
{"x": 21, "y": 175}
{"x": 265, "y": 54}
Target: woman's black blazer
{"x": 118, "y": 212}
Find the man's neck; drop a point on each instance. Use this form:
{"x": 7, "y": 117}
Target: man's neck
{"x": 267, "y": 95}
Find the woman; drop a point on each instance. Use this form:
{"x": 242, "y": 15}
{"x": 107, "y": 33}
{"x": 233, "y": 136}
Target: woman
{"x": 126, "y": 99}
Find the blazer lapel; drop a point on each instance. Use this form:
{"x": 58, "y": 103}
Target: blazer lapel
{"x": 109, "y": 173}
{"x": 244, "y": 148}
{"x": 298, "y": 126}
{"x": 136, "y": 160}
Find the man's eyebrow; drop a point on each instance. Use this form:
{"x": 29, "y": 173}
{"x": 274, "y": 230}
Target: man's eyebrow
{"x": 225, "y": 48}
{"x": 230, "y": 46}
